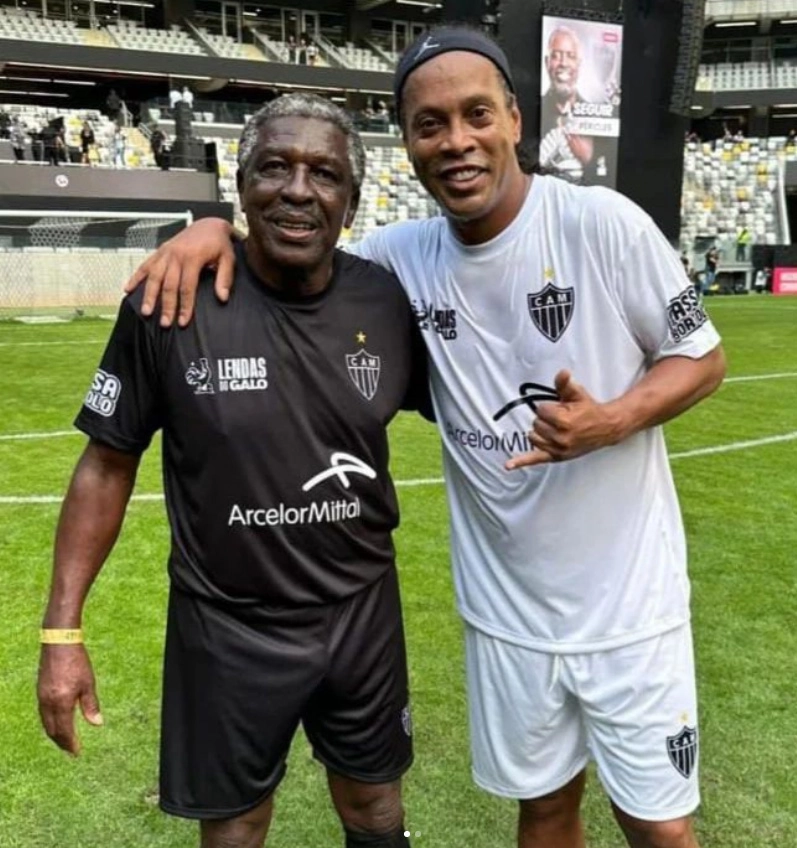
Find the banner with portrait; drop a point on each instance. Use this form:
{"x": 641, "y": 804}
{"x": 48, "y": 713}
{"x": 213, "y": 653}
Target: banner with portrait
{"x": 580, "y": 99}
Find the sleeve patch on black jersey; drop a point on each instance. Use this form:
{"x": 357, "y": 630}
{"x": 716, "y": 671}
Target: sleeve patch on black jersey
{"x": 685, "y": 314}
{"x": 104, "y": 393}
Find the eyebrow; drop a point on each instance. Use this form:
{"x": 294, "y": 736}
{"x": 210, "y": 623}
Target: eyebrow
{"x": 482, "y": 99}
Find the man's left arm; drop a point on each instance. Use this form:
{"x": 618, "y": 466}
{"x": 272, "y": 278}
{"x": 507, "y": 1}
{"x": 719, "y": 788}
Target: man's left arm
{"x": 668, "y": 321}
{"x": 578, "y": 424}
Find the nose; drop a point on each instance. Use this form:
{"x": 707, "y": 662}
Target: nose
{"x": 457, "y": 139}
{"x": 297, "y": 187}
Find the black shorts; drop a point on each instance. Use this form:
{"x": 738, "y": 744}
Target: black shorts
{"x": 237, "y": 682}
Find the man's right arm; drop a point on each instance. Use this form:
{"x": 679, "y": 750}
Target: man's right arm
{"x": 172, "y": 272}
{"x": 91, "y": 517}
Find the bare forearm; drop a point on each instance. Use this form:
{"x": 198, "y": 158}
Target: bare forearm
{"x": 672, "y": 386}
{"x": 91, "y": 518}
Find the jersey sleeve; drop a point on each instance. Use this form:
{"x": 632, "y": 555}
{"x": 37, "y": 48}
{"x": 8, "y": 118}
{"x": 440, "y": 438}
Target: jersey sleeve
{"x": 419, "y": 397}
{"x": 375, "y": 247}
{"x": 122, "y": 408}
{"x": 390, "y": 246}
{"x": 662, "y": 307}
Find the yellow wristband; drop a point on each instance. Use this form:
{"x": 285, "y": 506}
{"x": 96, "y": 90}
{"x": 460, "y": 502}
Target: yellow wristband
{"x": 61, "y": 637}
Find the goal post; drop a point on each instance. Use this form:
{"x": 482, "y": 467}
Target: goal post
{"x": 72, "y": 264}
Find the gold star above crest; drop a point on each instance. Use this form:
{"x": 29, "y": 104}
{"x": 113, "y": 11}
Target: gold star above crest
{"x": 549, "y": 274}
{"x": 360, "y": 337}
{"x": 684, "y": 718}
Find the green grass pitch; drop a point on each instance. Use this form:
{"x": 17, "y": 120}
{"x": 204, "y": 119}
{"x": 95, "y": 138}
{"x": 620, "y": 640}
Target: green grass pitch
{"x": 739, "y": 507}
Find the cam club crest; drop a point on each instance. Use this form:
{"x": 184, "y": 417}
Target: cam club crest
{"x": 551, "y": 310}
{"x": 364, "y": 369}
{"x": 682, "y": 750}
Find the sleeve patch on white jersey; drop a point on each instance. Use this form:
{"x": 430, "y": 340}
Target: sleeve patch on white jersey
{"x": 104, "y": 393}
{"x": 685, "y": 314}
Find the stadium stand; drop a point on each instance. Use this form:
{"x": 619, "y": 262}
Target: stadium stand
{"x": 362, "y": 59}
{"x": 131, "y": 36}
{"x": 26, "y": 25}
{"x": 34, "y": 117}
{"x": 728, "y": 185}
{"x": 229, "y": 48}
{"x": 741, "y": 76}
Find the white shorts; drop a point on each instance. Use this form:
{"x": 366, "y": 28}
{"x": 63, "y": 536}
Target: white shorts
{"x": 536, "y": 719}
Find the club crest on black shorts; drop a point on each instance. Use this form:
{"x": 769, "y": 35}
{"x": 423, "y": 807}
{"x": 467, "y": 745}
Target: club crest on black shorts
{"x": 682, "y": 750}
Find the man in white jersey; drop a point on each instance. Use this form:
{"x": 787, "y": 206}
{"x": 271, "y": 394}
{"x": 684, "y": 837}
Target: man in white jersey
{"x": 570, "y": 572}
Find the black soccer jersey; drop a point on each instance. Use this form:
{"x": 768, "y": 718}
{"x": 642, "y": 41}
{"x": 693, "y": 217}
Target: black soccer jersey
{"x": 274, "y": 413}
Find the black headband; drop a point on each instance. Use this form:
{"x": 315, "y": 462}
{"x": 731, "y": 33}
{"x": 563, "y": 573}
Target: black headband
{"x": 444, "y": 40}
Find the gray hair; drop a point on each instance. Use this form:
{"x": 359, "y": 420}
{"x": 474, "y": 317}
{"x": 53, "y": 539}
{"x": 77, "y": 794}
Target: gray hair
{"x": 561, "y": 29}
{"x": 300, "y": 105}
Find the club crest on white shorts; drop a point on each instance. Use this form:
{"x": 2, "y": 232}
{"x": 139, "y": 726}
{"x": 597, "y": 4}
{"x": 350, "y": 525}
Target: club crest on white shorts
{"x": 682, "y": 750}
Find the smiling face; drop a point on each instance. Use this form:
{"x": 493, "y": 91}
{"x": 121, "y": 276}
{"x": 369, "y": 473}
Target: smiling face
{"x": 461, "y": 127}
{"x": 297, "y": 192}
{"x": 563, "y": 62}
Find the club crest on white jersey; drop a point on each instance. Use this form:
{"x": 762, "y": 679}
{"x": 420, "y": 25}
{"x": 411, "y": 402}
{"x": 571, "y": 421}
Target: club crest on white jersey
{"x": 551, "y": 310}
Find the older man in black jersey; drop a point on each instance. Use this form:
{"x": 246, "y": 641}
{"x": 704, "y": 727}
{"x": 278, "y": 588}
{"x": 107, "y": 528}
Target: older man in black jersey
{"x": 284, "y": 604}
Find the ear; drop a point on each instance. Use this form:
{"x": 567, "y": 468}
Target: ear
{"x": 354, "y": 203}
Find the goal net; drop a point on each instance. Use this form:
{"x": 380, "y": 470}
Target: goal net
{"x": 73, "y": 264}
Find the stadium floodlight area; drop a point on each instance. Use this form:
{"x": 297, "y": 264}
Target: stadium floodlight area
{"x": 59, "y": 264}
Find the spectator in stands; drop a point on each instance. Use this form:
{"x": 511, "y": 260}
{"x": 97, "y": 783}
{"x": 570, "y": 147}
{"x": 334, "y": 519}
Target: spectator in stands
{"x": 119, "y": 146}
{"x": 87, "y": 141}
{"x": 36, "y": 141}
{"x": 18, "y": 139}
{"x": 113, "y": 105}
{"x": 312, "y": 52}
{"x": 302, "y": 56}
{"x": 382, "y": 115}
{"x": 157, "y": 143}
{"x": 174, "y": 98}
{"x": 791, "y": 138}
{"x": 293, "y": 49}
{"x": 49, "y": 137}
{"x": 188, "y": 96}
{"x": 710, "y": 273}
{"x": 61, "y": 146}
{"x": 5, "y": 124}
{"x": 742, "y": 240}
{"x": 760, "y": 282}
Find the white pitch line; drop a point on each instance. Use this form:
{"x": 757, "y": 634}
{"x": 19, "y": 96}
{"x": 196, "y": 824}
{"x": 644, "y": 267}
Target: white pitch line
{"x": 50, "y": 344}
{"x": 754, "y": 377}
{"x": 11, "y": 437}
{"x": 435, "y": 481}
{"x": 15, "y": 437}
{"x": 736, "y": 446}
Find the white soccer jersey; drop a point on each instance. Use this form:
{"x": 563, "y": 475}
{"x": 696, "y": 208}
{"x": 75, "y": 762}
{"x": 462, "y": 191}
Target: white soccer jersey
{"x": 575, "y": 556}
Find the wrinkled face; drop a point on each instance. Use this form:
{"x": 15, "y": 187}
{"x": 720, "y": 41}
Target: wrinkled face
{"x": 563, "y": 63}
{"x": 461, "y": 134}
{"x": 297, "y": 192}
